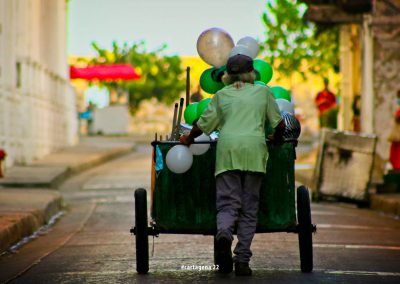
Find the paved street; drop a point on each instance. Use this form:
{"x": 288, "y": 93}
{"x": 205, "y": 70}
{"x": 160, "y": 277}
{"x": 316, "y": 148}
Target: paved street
{"x": 91, "y": 241}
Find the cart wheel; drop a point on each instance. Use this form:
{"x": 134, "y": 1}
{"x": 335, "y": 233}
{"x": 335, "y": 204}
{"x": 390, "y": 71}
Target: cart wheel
{"x": 305, "y": 229}
{"x": 215, "y": 249}
{"x": 141, "y": 234}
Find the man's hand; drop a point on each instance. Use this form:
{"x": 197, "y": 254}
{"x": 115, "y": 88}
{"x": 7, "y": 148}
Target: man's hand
{"x": 186, "y": 139}
{"x": 189, "y": 139}
{"x": 277, "y": 136}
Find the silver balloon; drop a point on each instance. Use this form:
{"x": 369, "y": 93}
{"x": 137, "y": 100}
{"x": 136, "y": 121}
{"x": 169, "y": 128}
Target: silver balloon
{"x": 200, "y": 149}
{"x": 179, "y": 159}
{"x": 214, "y": 46}
{"x": 251, "y": 44}
{"x": 240, "y": 49}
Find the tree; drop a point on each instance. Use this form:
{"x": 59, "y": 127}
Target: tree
{"x": 294, "y": 45}
{"x": 162, "y": 76}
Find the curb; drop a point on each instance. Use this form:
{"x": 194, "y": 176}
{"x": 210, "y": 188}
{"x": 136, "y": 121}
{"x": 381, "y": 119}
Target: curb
{"x": 16, "y": 224}
{"x": 66, "y": 171}
{"x": 71, "y": 171}
{"x": 387, "y": 203}
{"x": 19, "y": 224}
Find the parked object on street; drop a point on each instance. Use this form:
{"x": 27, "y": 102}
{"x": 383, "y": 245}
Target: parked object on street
{"x": 392, "y": 178}
{"x": 344, "y": 165}
{"x": 2, "y": 158}
{"x": 111, "y": 120}
{"x": 394, "y": 139}
{"x": 185, "y": 203}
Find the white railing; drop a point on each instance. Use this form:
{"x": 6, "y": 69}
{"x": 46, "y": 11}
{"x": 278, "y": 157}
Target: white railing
{"x": 37, "y": 118}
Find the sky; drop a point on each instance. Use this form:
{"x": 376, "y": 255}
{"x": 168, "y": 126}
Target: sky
{"x": 178, "y": 23}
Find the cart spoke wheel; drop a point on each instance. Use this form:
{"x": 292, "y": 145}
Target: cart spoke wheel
{"x": 305, "y": 229}
{"x": 142, "y": 241}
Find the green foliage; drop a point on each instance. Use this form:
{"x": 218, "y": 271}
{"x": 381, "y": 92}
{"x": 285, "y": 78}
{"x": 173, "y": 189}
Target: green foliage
{"x": 162, "y": 76}
{"x": 295, "y": 45}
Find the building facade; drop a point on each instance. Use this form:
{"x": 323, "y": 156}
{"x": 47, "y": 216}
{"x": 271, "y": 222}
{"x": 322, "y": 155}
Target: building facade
{"x": 37, "y": 102}
{"x": 369, "y": 62}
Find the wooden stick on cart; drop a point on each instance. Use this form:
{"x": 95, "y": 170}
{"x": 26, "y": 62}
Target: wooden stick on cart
{"x": 178, "y": 124}
{"x": 174, "y": 121}
{"x": 187, "y": 85}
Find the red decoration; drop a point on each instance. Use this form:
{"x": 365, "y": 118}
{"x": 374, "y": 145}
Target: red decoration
{"x": 106, "y": 72}
{"x": 395, "y": 155}
{"x": 325, "y": 100}
{"x": 3, "y": 154}
{"x": 2, "y": 157}
{"x": 397, "y": 114}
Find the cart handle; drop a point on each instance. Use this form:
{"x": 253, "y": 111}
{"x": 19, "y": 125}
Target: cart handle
{"x": 156, "y": 142}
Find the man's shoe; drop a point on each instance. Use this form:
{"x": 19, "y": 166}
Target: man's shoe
{"x": 223, "y": 257}
{"x": 242, "y": 269}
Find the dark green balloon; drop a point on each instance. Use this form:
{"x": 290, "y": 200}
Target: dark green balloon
{"x": 217, "y": 73}
{"x": 263, "y": 69}
{"x": 203, "y": 104}
{"x": 191, "y": 113}
{"x": 208, "y": 84}
{"x": 281, "y": 93}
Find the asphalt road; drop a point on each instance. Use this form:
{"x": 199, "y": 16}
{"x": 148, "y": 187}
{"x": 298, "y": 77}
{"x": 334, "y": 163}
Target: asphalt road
{"x": 91, "y": 242}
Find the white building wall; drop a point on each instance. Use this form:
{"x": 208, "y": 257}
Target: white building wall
{"x": 37, "y": 102}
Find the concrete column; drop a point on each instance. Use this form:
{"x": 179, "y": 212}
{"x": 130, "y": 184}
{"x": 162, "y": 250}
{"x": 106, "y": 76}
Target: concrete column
{"x": 2, "y": 42}
{"x": 367, "y": 99}
{"x": 346, "y": 83}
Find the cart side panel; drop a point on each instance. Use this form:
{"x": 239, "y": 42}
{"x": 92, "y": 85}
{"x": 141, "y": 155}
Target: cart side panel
{"x": 186, "y": 201}
{"x": 277, "y": 197}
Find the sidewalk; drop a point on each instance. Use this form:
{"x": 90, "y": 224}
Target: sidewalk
{"x": 388, "y": 203}
{"x": 28, "y": 195}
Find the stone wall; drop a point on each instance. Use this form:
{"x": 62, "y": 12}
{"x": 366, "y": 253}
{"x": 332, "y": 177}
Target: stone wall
{"x": 37, "y": 102}
{"x": 386, "y": 71}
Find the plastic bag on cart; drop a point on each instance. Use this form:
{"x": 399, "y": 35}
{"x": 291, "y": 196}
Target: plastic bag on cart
{"x": 159, "y": 160}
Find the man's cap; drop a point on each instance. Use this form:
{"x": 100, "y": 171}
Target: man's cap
{"x": 238, "y": 64}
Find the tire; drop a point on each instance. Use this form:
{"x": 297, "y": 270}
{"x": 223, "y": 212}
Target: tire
{"x": 215, "y": 250}
{"x": 141, "y": 234}
{"x": 305, "y": 229}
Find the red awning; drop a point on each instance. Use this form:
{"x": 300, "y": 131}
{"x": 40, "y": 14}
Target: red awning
{"x": 106, "y": 72}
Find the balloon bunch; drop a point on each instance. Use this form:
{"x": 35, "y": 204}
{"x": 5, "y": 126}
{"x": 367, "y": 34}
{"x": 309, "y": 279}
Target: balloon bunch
{"x": 215, "y": 46}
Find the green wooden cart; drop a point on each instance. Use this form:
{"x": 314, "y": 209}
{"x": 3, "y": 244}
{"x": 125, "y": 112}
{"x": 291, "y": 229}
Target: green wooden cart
{"x": 185, "y": 203}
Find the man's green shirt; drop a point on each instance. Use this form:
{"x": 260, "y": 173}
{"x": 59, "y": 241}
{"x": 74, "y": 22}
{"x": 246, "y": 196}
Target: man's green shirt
{"x": 240, "y": 115}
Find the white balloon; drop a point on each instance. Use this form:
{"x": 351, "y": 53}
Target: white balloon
{"x": 285, "y": 105}
{"x": 251, "y": 44}
{"x": 179, "y": 159}
{"x": 240, "y": 49}
{"x": 200, "y": 149}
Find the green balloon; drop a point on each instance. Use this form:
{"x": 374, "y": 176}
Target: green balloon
{"x": 191, "y": 113}
{"x": 281, "y": 93}
{"x": 203, "y": 104}
{"x": 217, "y": 73}
{"x": 208, "y": 84}
{"x": 263, "y": 69}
